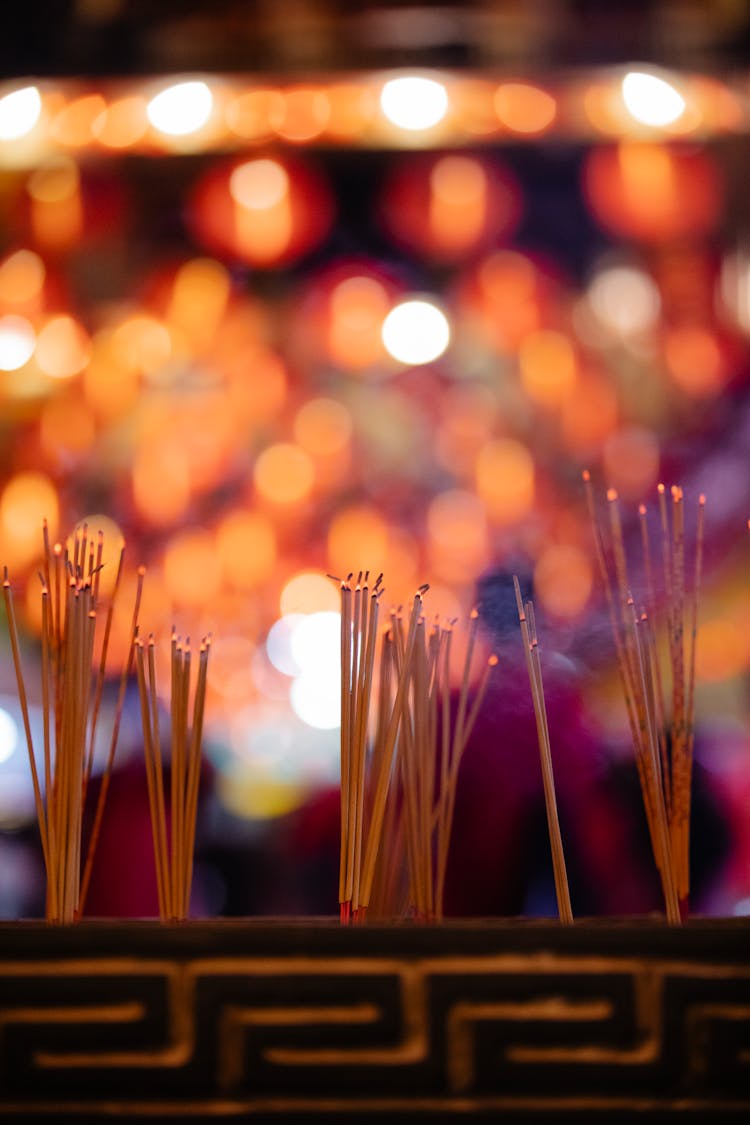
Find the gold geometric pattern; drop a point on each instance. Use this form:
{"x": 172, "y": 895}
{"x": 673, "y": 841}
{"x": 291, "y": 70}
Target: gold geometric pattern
{"x": 335, "y": 1033}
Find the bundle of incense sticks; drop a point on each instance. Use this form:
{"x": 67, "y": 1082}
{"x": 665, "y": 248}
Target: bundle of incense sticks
{"x": 662, "y": 732}
{"x": 527, "y": 621}
{"x": 173, "y": 844}
{"x": 72, "y": 684}
{"x": 398, "y": 787}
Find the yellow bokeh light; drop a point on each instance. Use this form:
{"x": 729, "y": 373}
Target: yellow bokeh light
{"x": 548, "y": 367}
{"x": 358, "y": 307}
{"x": 631, "y": 461}
{"x": 458, "y": 202}
{"x": 199, "y": 300}
{"x": 142, "y": 343}
{"x": 75, "y": 124}
{"x": 259, "y": 184}
{"x": 251, "y": 113}
{"x": 694, "y": 360}
{"x": 109, "y": 385}
{"x": 306, "y": 111}
{"x": 504, "y": 472}
{"x": 357, "y": 540}
{"x": 26, "y": 501}
{"x": 310, "y": 591}
{"x": 458, "y": 535}
{"x": 720, "y": 649}
{"x": 524, "y": 108}
{"x": 563, "y": 580}
{"x": 123, "y": 123}
{"x": 63, "y": 348}
{"x": 22, "y": 276}
{"x": 192, "y": 568}
{"x": 161, "y": 481}
{"x": 246, "y": 546}
{"x": 66, "y": 427}
{"x": 589, "y": 417}
{"x": 284, "y": 474}
{"x": 323, "y": 427}
{"x": 56, "y": 206}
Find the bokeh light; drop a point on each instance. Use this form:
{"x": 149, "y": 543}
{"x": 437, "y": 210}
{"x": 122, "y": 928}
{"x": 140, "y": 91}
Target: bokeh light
{"x": 26, "y": 501}
{"x": 549, "y": 370}
{"x": 22, "y": 276}
{"x": 357, "y": 540}
{"x": 563, "y": 580}
{"x": 413, "y": 102}
{"x": 192, "y": 568}
{"x": 284, "y": 474}
{"x": 357, "y": 309}
{"x": 19, "y": 112}
{"x": 651, "y": 100}
{"x": 246, "y": 546}
{"x": 631, "y": 461}
{"x": 625, "y": 299}
{"x": 9, "y": 735}
{"x": 524, "y": 108}
{"x": 181, "y": 108}
{"x": 505, "y": 479}
{"x": 416, "y": 331}
{"x": 63, "y": 347}
{"x": 17, "y": 342}
{"x": 309, "y": 591}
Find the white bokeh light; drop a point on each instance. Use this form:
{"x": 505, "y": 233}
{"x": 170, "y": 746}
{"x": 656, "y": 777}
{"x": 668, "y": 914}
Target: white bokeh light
{"x": 279, "y": 644}
{"x": 651, "y": 100}
{"x": 8, "y": 735}
{"x": 316, "y": 642}
{"x": 259, "y": 184}
{"x": 315, "y": 694}
{"x": 19, "y": 113}
{"x": 625, "y": 300}
{"x": 181, "y": 109}
{"x": 414, "y": 103}
{"x": 416, "y": 331}
{"x": 316, "y": 699}
{"x": 17, "y": 342}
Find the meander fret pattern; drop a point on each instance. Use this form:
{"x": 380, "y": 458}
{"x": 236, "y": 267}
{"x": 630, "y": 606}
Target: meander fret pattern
{"x": 292, "y": 1034}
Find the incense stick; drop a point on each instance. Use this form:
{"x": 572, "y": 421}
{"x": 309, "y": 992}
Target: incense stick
{"x": 534, "y": 669}
{"x": 663, "y": 743}
{"x": 173, "y": 845}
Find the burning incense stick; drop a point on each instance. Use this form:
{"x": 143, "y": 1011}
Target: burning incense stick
{"x": 71, "y": 705}
{"x": 534, "y": 668}
{"x": 662, "y": 735}
{"x": 398, "y": 789}
{"x": 173, "y": 849}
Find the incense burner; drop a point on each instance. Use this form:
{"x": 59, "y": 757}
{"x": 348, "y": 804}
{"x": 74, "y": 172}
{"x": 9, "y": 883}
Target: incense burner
{"x": 308, "y": 1021}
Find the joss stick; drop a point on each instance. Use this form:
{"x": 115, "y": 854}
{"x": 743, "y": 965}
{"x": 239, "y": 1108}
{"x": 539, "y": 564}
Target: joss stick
{"x": 125, "y": 675}
{"x": 663, "y": 751}
{"x": 534, "y": 669}
{"x": 23, "y": 700}
{"x": 380, "y": 792}
{"x": 173, "y": 850}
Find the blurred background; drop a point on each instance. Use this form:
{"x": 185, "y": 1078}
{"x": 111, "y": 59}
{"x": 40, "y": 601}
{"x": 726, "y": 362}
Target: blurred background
{"x": 307, "y": 286}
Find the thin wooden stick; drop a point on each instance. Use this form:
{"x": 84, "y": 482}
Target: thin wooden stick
{"x": 534, "y": 669}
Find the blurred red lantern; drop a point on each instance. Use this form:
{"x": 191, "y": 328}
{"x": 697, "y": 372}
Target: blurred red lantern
{"x": 652, "y": 192}
{"x": 447, "y": 206}
{"x": 266, "y": 211}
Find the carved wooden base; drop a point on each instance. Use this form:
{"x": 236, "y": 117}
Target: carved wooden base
{"x": 305, "y": 1021}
